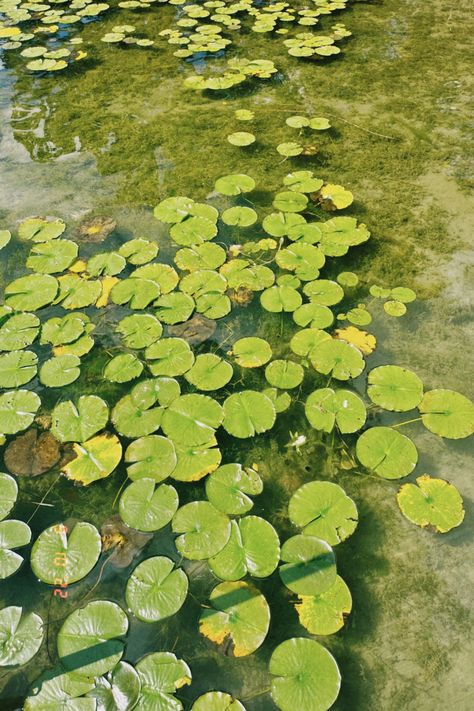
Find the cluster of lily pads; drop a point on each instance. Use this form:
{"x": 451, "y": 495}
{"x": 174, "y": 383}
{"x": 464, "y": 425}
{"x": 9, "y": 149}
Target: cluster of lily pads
{"x": 122, "y": 34}
{"x": 183, "y": 394}
{"x": 237, "y": 72}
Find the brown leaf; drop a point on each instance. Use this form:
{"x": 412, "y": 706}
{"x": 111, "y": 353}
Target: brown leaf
{"x": 124, "y": 542}
{"x": 197, "y": 330}
{"x": 96, "y": 229}
{"x": 31, "y": 454}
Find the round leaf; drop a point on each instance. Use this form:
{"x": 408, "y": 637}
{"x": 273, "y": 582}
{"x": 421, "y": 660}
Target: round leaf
{"x": 156, "y": 590}
{"x": 388, "y": 453}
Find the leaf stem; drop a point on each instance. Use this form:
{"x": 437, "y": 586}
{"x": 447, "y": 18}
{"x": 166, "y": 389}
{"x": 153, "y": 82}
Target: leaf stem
{"x": 407, "y": 422}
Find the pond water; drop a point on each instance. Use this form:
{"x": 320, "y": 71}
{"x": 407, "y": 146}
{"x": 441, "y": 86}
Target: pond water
{"x": 118, "y": 132}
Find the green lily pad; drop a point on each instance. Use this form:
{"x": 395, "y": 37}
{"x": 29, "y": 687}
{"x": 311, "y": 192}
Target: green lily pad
{"x": 403, "y": 294}
{"x": 76, "y": 292}
{"x": 307, "y": 340}
{"x": 235, "y": 184}
{"x": 253, "y": 548}
{"x": 8, "y": 494}
{"x": 57, "y": 689}
{"x": 5, "y": 237}
{"x": 290, "y": 149}
{"x": 137, "y": 293}
{"x": 395, "y": 308}
{"x": 59, "y": 371}
{"x": 134, "y": 417}
{"x": 41, "y": 229}
{"x": 324, "y": 291}
{"x": 326, "y": 408}
{"x": 67, "y": 329}
{"x": 123, "y": 368}
{"x": 173, "y": 209}
{"x": 280, "y": 298}
{"x": 161, "y": 674}
{"x": 117, "y": 691}
{"x": 251, "y": 352}
{"x": 194, "y": 463}
{"x": 281, "y": 400}
{"x": 156, "y": 589}
{"x": 201, "y": 256}
{"x": 153, "y": 457}
{"x": 229, "y": 488}
{"x": 79, "y": 422}
{"x": 204, "y": 531}
{"x": 52, "y": 257}
{"x": 247, "y": 413}
{"x": 18, "y": 331}
{"x": 17, "y": 368}
{"x": 239, "y": 616}
{"x": 325, "y": 613}
{"x": 193, "y": 230}
{"x": 68, "y": 555}
{"x": 431, "y": 502}
{"x": 209, "y": 372}
{"x": 302, "y": 181}
{"x": 241, "y": 138}
{"x": 17, "y": 410}
{"x": 394, "y": 388}
{"x": 30, "y": 293}
{"x": 446, "y": 413}
{"x": 280, "y": 224}
{"x": 169, "y": 356}
{"x": 155, "y": 390}
{"x": 340, "y": 359}
{"x": 239, "y": 216}
{"x": 305, "y": 260}
{"x": 88, "y": 639}
{"x": 139, "y": 330}
{"x": 309, "y": 565}
{"x": 217, "y": 701}
{"x": 13, "y": 534}
{"x": 284, "y": 374}
{"x": 290, "y": 201}
{"x": 95, "y": 459}
{"x": 306, "y": 673}
{"x": 175, "y": 308}
{"x": 106, "y": 264}
{"x": 386, "y": 452}
{"x": 20, "y": 636}
{"x": 322, "y": 509}
{"x": 192, "y": 419}
{"x": 145, "y": 508}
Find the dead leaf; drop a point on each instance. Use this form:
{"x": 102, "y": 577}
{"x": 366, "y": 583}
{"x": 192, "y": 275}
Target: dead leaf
{"x": 197, "y": 330}
{"x": 124, "y": 542}
{"x": 31, "y": 454}
{"x": 96, "y": 229}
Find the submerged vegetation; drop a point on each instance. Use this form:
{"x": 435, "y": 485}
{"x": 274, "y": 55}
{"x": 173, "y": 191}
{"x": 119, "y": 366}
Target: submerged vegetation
{"x": 122, "y": 367}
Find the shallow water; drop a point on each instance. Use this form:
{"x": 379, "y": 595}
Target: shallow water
{"x": 117, "y": 135}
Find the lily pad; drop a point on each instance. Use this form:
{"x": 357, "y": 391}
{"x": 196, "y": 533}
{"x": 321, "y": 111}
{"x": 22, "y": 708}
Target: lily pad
{"x": 326, "y": 408}
{"x": 217, "y": 701}
{"x": 41, "y": 229}
{"x": 253, "y": 548}
{"x": 57, "y": 689}
{"x": 148, "y": 509}
{"x": 192, "y": 419}
{"x": 239, "y": 216}
{"x": 19, "y": 331}
{"x": 52, "y": 257}
{"x": 284, "y": 374}
{"x": 161, "y": 674}
{"x": 235, "y": 184}
{"x": 17, "y": 368}
{"x": 174, "y": 308}
{"x": 446, "y": 413}
{"x": 229, "y": 488}
{"x": 79, "y": 422}
{"x": 17, "y": 410}
{"x": 324, "y": 291}
{"x": 156, "y": 589}
{"x": 152, "y": 457}
{"x": 88, "y": 639}
{"x": 340, "y": 359}
{"x": 204, "y": 531}
{"x": 13, "y": 534}
{"x": 281, "y": 298}
{"x": 94, "y": 459}
{"x": 123, "y": 368}
{"x": 68, "y": 555}
{"x": 30, "y": 293}
{"x": 66, "y": 329}
{"x": 251, "y": 352}
{"x": 201, "y": 256}
{"x": 117, "y": 691}
{"x": 322, "y": 509}
{"x": 194, "y": 463}
{"x": 21, "y": 636}
{"x": 241, "y": 138}
{"x": 106, "y": 264}
{"x": 306, "y": 674}
{"x": 290, "y": 201}
{"x": 75, "y": 292}
{"x": 169, "y": 356}
{"x": 305, "y": 260}
{"x": 139, "y": 330}
{"x": 325, "y": 613}
{"x": 209, "y": 372}
{"x": 247, "y": 413}
{"x": 307, "y": 340}
{"x": 431, "y": 502}
{"x": 60, "y": 371}
{"x": 394, "y": 388}
{"x": 134, "y": 416}
{"x": 32, "y": 453}
{"x": 309, "y": 565}
{"x": 239, "y": 618}
{"x": 386, "y": 452}
{"x": 8, "y": 494}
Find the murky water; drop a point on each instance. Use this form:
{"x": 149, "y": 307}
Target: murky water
{"x": 119, "y": 134}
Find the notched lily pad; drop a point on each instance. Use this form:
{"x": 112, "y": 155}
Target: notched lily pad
{"x": 431, "y": 502}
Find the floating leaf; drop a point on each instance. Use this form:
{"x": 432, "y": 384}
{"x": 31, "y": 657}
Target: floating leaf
{"x": 217, "y": 701}
{"x": 20, "y": 636}
{"x": 302, "y": 181}
{"x": 55, "y": 688}
{"x": 239, "y": 616}
{"x": 281, "y": 400}
{"x": 77, "y": 423}
{"x": 41, "y": 229}
{"x": 251, "y": 352}
{"x": 324, "y": 291}
{"x": 209, "y": 372}
{"x": 306, "y": 673}
{"x": 325, "y": 408}
{"x": 59, "y": 371}
{"x": 17, "y": 410}
{"x": 13, "y": 534}
{"x": 284, "y": 374}
{"x": 156, "y": 590}
{"x": 388, "y": 453}
{"x": 123, "y": 368}
{"x": 8, "y": 494}
{"x": 201, "y": 256}
{"x": 307, "y": 340}
{"x": 341, "y": 359}
{"x": 195, "y": 462}
{"x": 75, "y": 292}
{"x": 309, "y": 565}
{"x": 118, "y": 691}
{"x": 322, "y": 509}
{"x": 362, "y": 340}
{"x": 394, "y": 388}
{"x": 395, "y": 308}
{"x": 152, "y": 456}
{"x": 253, "y": 548}
{"x": 138, "y": 293}
{"x": 230, "y": 486}
{"x": 5, "y": 237}
{"x": 403, "y": 294}
{"x": 52, "y": 257}
{"x": 325, "y": 613}
{"x": 314, "y": 315}
{"x": 66, "y": 329}
{"x": 169, "y": 356}
{"x": 290, "y": 201}
{"x": 241, "y": 138}
{"x": 148, "y": 509}
{"x": 247, "y": 413}
{"x": 235, "y": 184}
{"x": 335, "y": 197}
{"x": 204, "y": 530}
{"x": 161, "y": 674}
{"x": 106, "y": 264}
{"x": 95, "y": 459}
{"x": 305, "y": 260}
{"x": 192, "y": 419}
{"x": 18, "y": 331}
{"x": 446, "y": 413}
{"x": 175, "y": 308}
{"x": 138, "y": 251}
{"x": 134, "y": 416}
{"x": 88, "y": 639}
{"x": 290, "y": 148}
{"x": 280, "y": 298}
{"x": 239, "y": 216}
{"x": 431, "y": 502}
{"x": 30, "y": 293}
{"x": 67, "y": 555}
{"x": 17, "y": 368}
{"x": 139, "y": 330}
{"x": 31, "y": 453}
